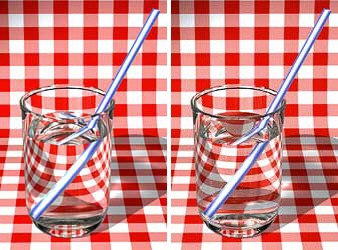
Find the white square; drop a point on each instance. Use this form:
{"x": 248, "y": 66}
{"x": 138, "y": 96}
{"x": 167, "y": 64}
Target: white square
{"x": 291, "y": 245}
{"x": 186, "y": 123}
{"x": 162, "y": 46}
{"x": 156, "y": 227}
{"x": 217, "y": 46}
{"x": 186, "y": 97}
{"x": 17, "y": 72}
{"x": 332, "y": 71}
{"x": 247, "y": 46}
{"x": 75, "y": 46}
{"x": 41, "y": 245}
{"x": 187, "y": 20}
{"x": 329, "y": 245}
{"x": 301, "y": 43}
{"x": 135, "y": 72}
{"x": 119, "y": 228}
{"x": 246, "y": 20}
{"x": 287, "y": 194}
{"x": 305, "y": 97}
{"x": 181, "y": 180}
{"x": 333, "y": 46}
{"x": 14, "y": 97}
{"x": 153, "y": 210}
{"x": 149, "y": 194}
{"x": 134, "y": 97}
{"x": 16, "y": 46}
{"x": 290, "y": 228}
{"x": 121, "y": 245}
{"x": 189, "y": 72}
{"x": 305, "y": 72}
{"x": 251, "y": 245}
{"x": 8, "y": 210}
{"x": 135, "y": 122}
{"x": 332, "y": 97}
{"x": 135, "y": 20}
{"x": 161, "y": 71}
{"x": 61, "y": 159}
{"x": 305, "y": 122}
{"x": 81, "y": 245}
{"x": 333, "y": 121}
{"x": 46, "y": 20}
{"x": 6, "y": 228}
{"x": 162, "y": 20}
{"x": 187, "y": 46}
{"x": 161, "y": 97}
{"x": 333, "y": 20}
{"x": 5, "y": 246}
{"x": 113, "y": 210}
{"x": 276, "y": 72}
{"x": 306, "y": 20}
{"x": 287, "y": 210}
{"x": 15, "y": 122}
{"x": 131, "y": 43}
{"x": 217, "y": 72}
{"x": 75, "y": 20}
{"x": 162, "y": 123}
{"x": 46, "y": 72}
{"x": 105, "y": 46}
{"x": 75, "y": 72}
{"x": 15, "y": 20}
{"x": 247, "y": 72}
{"x": 276, "y": 20}
{"x": 105, "y": 72}
{"x": 324, "y": 210}
{"x": 216, "y": 20}
{"x": 179, "y": 195}
{"x": 46, "y": 46}
{"x": 210, "y": 245}
{"x": 310, "y": 153}
{"x": 106, "y": 20}
{"x": 276, "y": 46}
{"x": 321, "y": 194}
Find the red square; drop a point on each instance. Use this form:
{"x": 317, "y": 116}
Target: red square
{"x": 5, "y": 110}
{"x": 149, "y": 84}
{"x": 4, "y": 7}
{"x": 231, "y": 7}
{"x": 320, "y": 5}
{"x": 176, "y": 110}
{"x": 176, "y": 85}
{"x": 261, "y": 59}
{"x": 148, "y": 109}
{"x": 319, "y": 84}
{"x": 289, "y": 58}
{"x": 90, "y": 59}
{"x": 90, "y": 33}
{"x": 120, "y": 33}
{"x": 320, "y": 59}
{"x": 30, "y": 7}
{"x": 320, "y": 110}
{"x": 60, "y": 7}
{"x": 232, "y": 59}
{"x": 149, "y": 58}
{"x": 261, "y": 33}
{"x": 31, "y": 33}
{"x": 231, "y": 33}
{"x": 60, "y": 59}
{"x": 118, "y": 58}
{"x": 4, "y": 85}
{"x": 310, "y": 237}
{"x": 291, "y": 6}
{"x": 90, "y": 7}
{"x": 291, "y": 110}
{"x": 90, "y": 83}
{"x": 202, "y": 59}
{"x": 291, "y": 33}
{"x": 202, "y": 33}
{"x": 31, "y": 84}
{"x": 21, "y": 237}
{"x": 175, "y": 33}
{"x": 175, "y": 59}
{"x": 60, "y": 33}
{"x": 4, "y": 59}
{"x": 139, "y": 237}
{"x": 149, "y": 5}
{"x": 201, "y": 7}
{"x": 121, "y": 7}
{"x": 262, "y": 7}
{"x": 31, "y": 59}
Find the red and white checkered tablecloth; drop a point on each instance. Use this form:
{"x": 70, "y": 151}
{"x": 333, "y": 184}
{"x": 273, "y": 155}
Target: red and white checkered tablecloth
{"x": 255, "y": 43}
{"x": 83, "y": 43}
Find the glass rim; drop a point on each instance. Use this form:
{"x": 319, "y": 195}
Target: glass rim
{"x": 234, "y": 86}
{"x": 27, "y": 95}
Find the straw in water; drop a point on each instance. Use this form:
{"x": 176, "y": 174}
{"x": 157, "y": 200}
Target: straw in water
{"x": 80, "y": 162}
{"x": 225, "y": 193}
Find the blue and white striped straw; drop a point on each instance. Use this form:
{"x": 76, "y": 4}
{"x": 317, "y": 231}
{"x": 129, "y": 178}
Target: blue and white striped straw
{"x": 80, "y": 162}
{"x": 236, "y": 179}
{"x": 119, "y": 76}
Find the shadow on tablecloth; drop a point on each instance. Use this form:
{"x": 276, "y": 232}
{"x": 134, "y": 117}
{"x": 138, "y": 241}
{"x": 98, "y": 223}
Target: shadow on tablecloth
{"x": 138, "y": 180}
{"x": 310, "y": 179}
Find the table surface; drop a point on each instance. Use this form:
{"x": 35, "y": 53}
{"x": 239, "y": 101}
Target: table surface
{"x": 136, "y": 217}
{"x": 308, "y": 213}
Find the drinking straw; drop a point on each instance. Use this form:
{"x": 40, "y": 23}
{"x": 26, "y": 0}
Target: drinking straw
{"x": 80, "y": 162}
{"x": 119, "y": 76}
{"x": 289, "y": 78}
{"x": 235, "y": 180}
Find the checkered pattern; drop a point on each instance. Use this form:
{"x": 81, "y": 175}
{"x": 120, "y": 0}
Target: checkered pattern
{"x": 254, "y": 43}
{"x": 46, "y": 163}
{"x": 83, "y": 43}
{"x": 217, "y": 163}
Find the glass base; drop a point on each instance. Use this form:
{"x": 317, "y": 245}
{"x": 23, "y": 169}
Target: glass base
{"x": 240, "y": 225}
{"x": 68, "y": 228}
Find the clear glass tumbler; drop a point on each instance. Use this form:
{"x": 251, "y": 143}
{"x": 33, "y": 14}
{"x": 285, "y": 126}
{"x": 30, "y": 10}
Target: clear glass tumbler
{"x": 50, "y": 114}
{"x": 221, "y": 115}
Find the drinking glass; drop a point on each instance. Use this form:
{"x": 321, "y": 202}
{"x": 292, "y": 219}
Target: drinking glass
{"x": 50, "y": 114}
{"x": 221, "y": 115}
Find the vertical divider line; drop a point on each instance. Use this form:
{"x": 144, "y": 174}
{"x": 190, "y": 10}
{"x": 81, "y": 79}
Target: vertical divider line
{"x": 169, "y": 124}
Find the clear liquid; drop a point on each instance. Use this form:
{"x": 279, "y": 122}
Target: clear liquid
{"x": 83, "y": 204}
{"x": 254, "y": 203}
